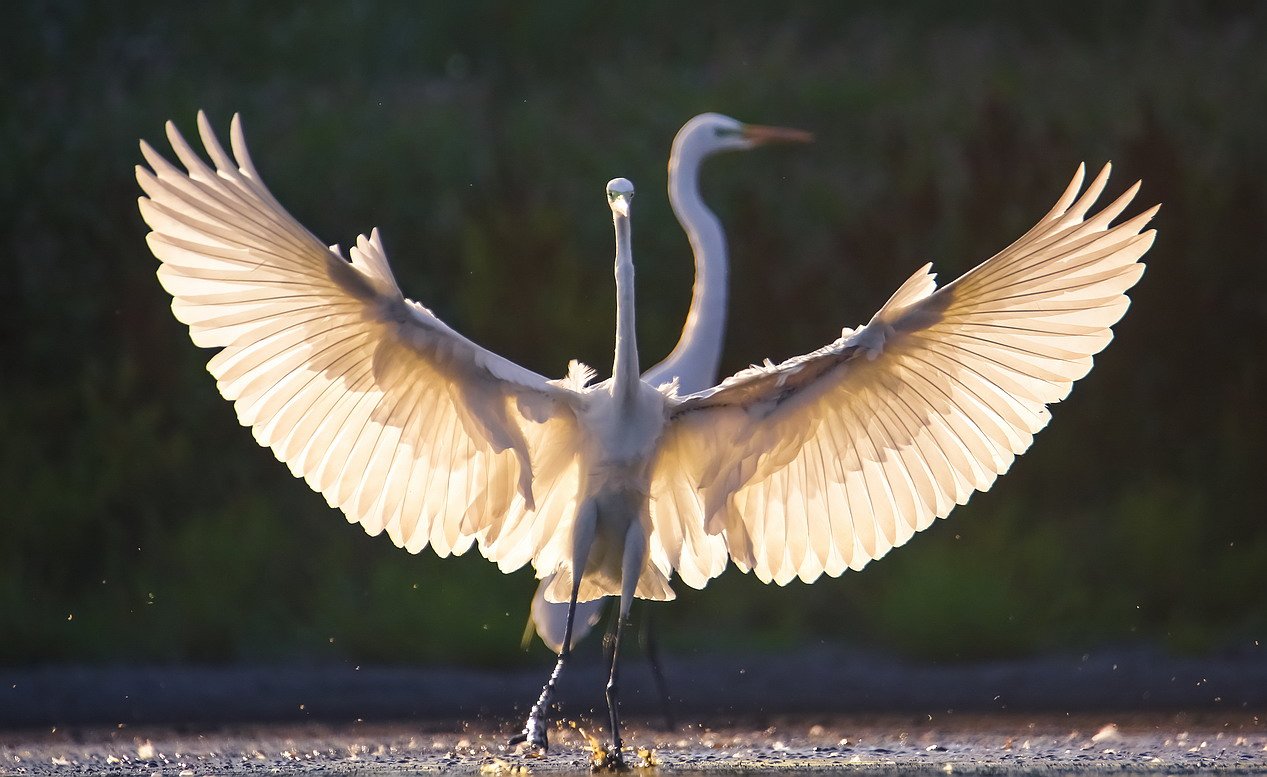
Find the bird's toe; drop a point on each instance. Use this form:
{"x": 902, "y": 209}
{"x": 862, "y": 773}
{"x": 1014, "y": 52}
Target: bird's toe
{"x": 533, "y": 735}
{"x": 609, "y": 761}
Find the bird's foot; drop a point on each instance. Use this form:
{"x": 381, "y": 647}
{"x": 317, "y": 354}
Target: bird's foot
{"x": 611, "y": 761}
{"x": 534, "y": 733}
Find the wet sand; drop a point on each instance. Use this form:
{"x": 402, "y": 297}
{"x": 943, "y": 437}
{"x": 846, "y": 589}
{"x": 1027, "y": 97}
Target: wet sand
{"x": 1156, "y": 743}
{"x": 996, "y": 743}
{"x": 818, "y": 709}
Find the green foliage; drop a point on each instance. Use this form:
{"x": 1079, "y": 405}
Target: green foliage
{"x": 144, "y": 524}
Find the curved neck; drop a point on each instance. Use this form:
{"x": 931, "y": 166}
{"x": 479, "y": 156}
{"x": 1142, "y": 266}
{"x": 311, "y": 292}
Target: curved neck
{"x": 698, "y": 351}
{"x": 625, "y": 366}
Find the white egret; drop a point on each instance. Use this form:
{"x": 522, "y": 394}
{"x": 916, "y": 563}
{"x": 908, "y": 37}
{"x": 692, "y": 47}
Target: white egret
{"x": 815, "y": 465}
{"x": 694, "y": 360}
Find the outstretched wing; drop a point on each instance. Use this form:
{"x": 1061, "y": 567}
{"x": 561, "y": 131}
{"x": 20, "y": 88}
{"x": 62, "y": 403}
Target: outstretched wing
{"x": 827, "y": 461}
{"x": 398, "y": 420}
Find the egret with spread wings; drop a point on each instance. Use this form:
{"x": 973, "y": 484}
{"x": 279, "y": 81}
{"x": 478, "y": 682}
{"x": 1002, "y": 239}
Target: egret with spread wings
{"x": 815, "y": 465}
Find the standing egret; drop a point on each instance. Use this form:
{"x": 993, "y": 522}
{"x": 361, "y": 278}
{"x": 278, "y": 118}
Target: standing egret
{"x": 694, "y": 360}
{"x": 815, "y": 465}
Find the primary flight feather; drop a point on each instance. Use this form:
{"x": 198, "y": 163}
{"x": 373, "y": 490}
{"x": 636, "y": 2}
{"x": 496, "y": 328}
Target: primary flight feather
{"x": 815, "y": 465}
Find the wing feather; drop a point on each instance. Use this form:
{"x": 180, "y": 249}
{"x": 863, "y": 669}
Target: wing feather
{"x": 829, "y": 460}
{"x": 396, "y": 419}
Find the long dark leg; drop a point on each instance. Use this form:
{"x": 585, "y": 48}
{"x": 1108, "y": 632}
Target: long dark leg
{"x": 534, "y": 732}
{"x": 650, "y": 646}
{"x": 630, "y": 569}
{"x": 615, "y": 760}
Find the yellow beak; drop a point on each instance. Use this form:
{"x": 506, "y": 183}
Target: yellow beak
{"x": 759, "y": 135}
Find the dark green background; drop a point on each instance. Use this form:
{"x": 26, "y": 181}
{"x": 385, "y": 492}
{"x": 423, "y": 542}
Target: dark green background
{"x": 142, "y": 523}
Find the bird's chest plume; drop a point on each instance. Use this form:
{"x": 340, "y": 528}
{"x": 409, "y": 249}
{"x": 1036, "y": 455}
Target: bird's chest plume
{"x": 623, "y": 432}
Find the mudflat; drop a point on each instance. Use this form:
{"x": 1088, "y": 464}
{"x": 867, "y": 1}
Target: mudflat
{"x": 996, "y": 743}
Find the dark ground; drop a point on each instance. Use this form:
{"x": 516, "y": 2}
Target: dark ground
{"x": 1132, "y": 710}
{"x": 1007, "y": 743}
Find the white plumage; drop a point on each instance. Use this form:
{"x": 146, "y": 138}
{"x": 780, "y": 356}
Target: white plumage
{"x": 827, "y": 461}
{"x": 694, "y": 361}
{"x": 816, "y": 465}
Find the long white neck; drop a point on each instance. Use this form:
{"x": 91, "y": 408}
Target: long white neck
{"x": 698, "y": 351}
{"x": 625, "y": 373}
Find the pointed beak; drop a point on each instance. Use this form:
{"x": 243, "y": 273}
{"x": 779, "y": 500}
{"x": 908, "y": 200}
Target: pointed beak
{"x": 758, "y": 135}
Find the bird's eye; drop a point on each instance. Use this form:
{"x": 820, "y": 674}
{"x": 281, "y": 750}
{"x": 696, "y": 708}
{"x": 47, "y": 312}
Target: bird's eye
{"x": 727, "y": 132}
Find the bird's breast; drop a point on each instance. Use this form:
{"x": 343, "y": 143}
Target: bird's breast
{"x": 625, "y": 428}
{"x": 622, "y": 435}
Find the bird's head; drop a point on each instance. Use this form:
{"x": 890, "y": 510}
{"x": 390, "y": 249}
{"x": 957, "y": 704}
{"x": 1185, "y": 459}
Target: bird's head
{"x": 711, "y": 133}
{"x": 620, "y": 192}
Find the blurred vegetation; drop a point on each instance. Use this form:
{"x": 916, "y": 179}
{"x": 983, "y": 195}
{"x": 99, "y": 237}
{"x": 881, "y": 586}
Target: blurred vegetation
{"x": 144, "y": 524}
